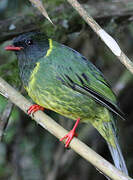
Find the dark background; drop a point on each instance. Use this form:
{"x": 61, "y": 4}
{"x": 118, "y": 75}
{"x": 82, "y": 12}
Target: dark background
{"x": 27, "y": 151}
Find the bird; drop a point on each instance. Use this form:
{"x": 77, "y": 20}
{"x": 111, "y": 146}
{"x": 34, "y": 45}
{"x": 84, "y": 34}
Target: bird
{"x": 59, "y": 78}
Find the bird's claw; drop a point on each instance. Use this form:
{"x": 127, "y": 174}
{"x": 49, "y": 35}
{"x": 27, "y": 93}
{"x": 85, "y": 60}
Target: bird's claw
{"x": 69, "y": 137}
{"x": 32, "y": 109}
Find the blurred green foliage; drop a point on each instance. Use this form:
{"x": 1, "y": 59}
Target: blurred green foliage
{"x": 27, "y": 151}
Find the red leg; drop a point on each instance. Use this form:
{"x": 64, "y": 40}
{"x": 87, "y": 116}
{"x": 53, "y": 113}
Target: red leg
{"x": 71, "y": 134}
{"x": 32, "y": 109}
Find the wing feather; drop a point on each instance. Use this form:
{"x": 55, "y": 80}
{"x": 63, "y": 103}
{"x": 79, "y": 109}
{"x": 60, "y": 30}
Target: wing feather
{"x": 78, "y": 73}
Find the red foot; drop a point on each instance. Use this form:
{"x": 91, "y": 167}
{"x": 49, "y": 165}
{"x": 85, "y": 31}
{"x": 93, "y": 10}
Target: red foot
{"x": 71, "y": 134}
{"x": 32, "y": 109}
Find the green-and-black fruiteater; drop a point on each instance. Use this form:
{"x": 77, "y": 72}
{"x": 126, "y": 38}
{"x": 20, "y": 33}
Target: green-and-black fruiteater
{"x": 59, "y": 78}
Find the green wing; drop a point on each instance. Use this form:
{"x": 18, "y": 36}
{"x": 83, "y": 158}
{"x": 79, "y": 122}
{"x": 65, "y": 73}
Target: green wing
{"x": 76, "y": 72}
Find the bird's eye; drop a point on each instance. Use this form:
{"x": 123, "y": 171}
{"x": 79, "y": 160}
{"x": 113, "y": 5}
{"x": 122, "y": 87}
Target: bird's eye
{"x": 29, "y": 42}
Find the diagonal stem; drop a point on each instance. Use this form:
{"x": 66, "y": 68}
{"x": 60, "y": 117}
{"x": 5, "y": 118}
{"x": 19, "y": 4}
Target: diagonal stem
{"x": 108, "y": 40}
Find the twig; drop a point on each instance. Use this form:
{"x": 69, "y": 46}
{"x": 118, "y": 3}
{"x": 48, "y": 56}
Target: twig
{"x": 124, "y": 79}
{"x": 5, "y": 118}
{"x": 52, "y": 175}
{"x": 109, "y": 41}
{"x": 55, "y": 129}
{"x": 38, "y": 4}
{"x": 105, "y": 9}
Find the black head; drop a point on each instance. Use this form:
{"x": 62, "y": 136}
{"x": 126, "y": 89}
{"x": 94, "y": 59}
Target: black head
{"x": 30, "y": 46}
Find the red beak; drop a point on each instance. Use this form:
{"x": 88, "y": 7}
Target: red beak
{"x": 13, "y": 48}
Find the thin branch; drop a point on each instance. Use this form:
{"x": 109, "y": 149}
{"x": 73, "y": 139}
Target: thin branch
{"x": 122, "y": 82}
{"x": 106, "y": 38}
{"x": 38, "y": 4}
{"x": 52, "y": 175}
{"x": 55, "y": 129}
{"x": 5, "y": 118}
{"x": 20, "y": 24}
{"x": 104, "y": 9}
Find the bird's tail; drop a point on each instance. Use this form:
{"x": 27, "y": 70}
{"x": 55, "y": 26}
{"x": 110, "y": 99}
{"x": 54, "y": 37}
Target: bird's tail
{"x": 118, "y": 157}
{"x": 109, "y": 132}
